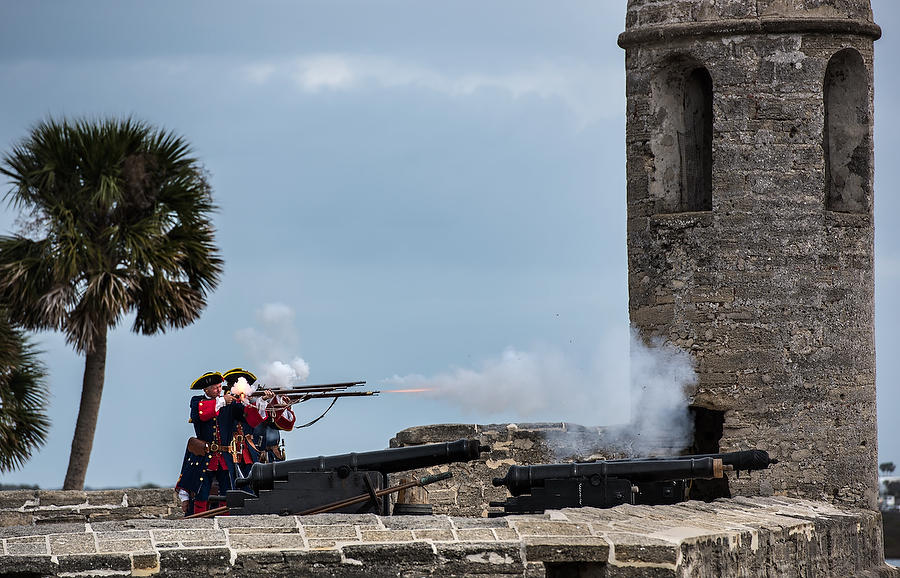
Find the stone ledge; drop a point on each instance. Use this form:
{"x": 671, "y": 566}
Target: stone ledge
{"x": 747, "y": 535}
{"x": 24, "y": 507}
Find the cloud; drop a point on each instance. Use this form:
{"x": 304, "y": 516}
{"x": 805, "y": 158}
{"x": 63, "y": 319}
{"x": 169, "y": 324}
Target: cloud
{"x": 591, "y": 93}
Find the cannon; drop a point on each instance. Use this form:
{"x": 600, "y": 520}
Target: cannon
{"x": 604, "y": 484}
{"x": 295, "y": 486}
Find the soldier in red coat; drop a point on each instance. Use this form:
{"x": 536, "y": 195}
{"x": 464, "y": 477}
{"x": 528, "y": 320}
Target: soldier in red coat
{"x": 214, "y": 418}
{"x": 240, "y": 383}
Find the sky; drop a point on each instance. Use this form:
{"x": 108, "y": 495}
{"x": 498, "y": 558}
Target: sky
{"x": 409, "y": 193}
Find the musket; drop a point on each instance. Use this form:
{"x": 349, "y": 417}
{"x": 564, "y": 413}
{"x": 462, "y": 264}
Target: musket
{"x": 299, "y": 398}
{"x": 318, "y": 388}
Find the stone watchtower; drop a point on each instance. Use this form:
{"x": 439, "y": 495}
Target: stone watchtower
{"x": 750, "y": 226}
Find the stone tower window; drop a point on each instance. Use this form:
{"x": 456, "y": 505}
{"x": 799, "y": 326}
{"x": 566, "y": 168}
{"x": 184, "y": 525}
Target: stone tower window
{"x": 695, "y": 142}
{"x": 847, "y": 134}
{"x": 682, "y": 98}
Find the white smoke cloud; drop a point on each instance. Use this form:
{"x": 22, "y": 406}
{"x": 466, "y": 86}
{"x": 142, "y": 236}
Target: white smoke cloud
{"x": 661, "y": 376}
{"x": 280, "y": 374}
{"x": 273, "y": 342}
{"x": 241, "y": 387}
{"x": 639, "y": 390}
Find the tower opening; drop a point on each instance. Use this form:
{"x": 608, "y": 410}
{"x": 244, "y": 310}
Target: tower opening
{"x": 682, "y": 101}
{"x": 709, "y": 425}
{"x": 695, "y": 142}
{"x": 847, "y": 139}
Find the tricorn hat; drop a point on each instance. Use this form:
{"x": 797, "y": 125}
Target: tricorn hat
{"x": 207, "y": 379}
{"x": 232, "y": 375}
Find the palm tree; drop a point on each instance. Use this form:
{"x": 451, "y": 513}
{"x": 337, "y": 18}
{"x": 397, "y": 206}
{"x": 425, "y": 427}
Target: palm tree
{"x": 115, "y": 221}
{"x": 23, "y": 398}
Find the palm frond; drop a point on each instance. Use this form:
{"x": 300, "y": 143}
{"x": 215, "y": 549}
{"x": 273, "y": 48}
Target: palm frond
{"x": 24, "y": 424}
{"x": 117, "y": 203}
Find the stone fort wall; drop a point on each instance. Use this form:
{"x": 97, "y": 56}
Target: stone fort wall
{"x": 36, "y": 507}
{"x": 744, "y": 537}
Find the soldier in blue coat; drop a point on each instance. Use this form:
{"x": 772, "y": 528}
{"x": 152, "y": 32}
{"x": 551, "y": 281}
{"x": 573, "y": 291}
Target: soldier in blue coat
{"x": 214, "y": 420}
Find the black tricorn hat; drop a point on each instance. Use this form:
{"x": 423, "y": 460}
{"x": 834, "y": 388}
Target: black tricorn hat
{"x": 207, "y": 379}
{"x": 232, "y": 375}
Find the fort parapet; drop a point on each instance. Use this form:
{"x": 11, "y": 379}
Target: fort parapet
{"x": 742, "y": 537}
{"x": 141, "y": 533}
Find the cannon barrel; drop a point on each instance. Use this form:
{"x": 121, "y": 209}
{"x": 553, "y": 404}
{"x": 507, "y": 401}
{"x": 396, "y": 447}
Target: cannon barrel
{"x": 520, "y": 479}
{"x": 263, "y": 476}
{"x": 746, "y": 460}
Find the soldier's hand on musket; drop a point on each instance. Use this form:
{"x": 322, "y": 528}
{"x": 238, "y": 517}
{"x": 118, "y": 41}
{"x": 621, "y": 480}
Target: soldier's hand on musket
{"x": 268, "y": 394}
{"x": 229, "y": 398}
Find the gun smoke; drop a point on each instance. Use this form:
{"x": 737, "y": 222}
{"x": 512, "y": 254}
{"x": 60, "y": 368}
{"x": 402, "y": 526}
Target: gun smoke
{"x": 276, "y": 340}
{"x": 636, "y": 391}
{"x": 241, "y": 387}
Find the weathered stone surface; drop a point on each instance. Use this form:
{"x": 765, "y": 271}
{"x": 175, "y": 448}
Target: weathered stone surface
{"x": 143, "y": 563}
{"x": 28, "y": 566}
{"x": 27, "y": 507}
{"x": 706, "y": 540}
{"x": 194, "y": 523}
{"x": 434, "y": 535}
{"x": 528, "y": 527}
{"x": 638, "y": 548}
{"x": 431, "y": 434}
{"x": 237, "y": 530}
{"x": 106, "y": 498}
{"x": 267, "y": 521}
{"x": 133, "y": 545}
{"x": 61, "y": 544}
{"x": 772, "y": 289}
{"x": 342, "y": 531}
{"x": 27, "y": 546}
{"x": 190, "y": 562}
{"x": 96, "y": 564}
{"x": 390, "y": 556}
{"x": 152, "y": 497}
{"x": 277, "y": 541}
{"x": 62, "y": 497}
{"x": 15, "y": 499}
{"x": 42, "y": 530}
{"x": 182, "y": 535}
{"x": 475, "y": 535}
{"x": 386, "y": 535}
{"x": 501, "y": 558}
{"x": 566, "y": 549}
{"x": 14, "y": 519}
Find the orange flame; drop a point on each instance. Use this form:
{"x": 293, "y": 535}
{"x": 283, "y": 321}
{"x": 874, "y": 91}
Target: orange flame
{"x": 419, "y": 390}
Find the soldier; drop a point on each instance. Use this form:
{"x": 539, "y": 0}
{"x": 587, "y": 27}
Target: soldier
{"x": 241, "y": 386}
{"x": 267, "y": 435}
{"x": 214, "y": 420}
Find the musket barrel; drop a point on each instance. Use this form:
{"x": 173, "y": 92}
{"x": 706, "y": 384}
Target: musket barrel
{"x": 521, "y": 479}
{"x": 263, "y": 476}
{"x": 322, "y": 387}
{"x": 333, "y": 394}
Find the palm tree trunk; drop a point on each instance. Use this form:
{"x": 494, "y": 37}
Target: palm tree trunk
{"x": 91, "y": 390}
